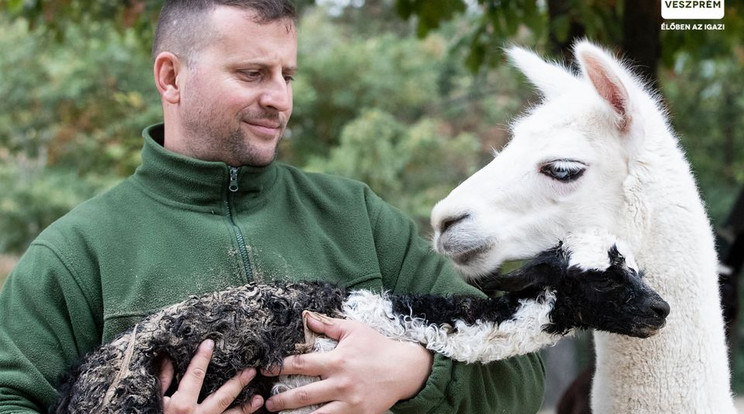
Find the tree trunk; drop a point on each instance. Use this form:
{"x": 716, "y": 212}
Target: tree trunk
{"x": 563, "y": 47}
{"x": 641, "y": 42}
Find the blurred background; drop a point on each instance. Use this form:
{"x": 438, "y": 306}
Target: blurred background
{"x": 410, "y": 96}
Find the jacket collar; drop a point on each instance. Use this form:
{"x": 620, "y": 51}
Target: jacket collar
{"x": 195, "y": 182}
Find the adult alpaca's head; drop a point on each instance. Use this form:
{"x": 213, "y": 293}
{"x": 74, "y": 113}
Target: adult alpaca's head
{"x": 564, "y": 169}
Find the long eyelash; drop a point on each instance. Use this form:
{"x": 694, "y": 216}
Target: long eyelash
{"x": 563, "y": 170}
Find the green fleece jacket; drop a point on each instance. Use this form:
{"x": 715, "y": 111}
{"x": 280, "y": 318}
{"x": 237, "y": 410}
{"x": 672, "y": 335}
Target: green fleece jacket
{"x": 180, "y": 226}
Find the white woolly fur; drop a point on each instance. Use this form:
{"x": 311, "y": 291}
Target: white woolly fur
{"x": 483, "y": 341}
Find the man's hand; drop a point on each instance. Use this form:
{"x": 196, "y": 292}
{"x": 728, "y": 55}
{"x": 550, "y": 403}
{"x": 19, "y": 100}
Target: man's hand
{"x": 367, "y": 373}
{"x": 185, "y": 399}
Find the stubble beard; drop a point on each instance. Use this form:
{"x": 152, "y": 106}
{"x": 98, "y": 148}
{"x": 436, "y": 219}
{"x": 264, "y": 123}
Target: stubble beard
{"x": 231, "y": 146}
{"x": 243, "y": 153}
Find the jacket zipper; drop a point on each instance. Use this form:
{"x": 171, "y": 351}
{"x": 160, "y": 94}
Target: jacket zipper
{"x": 232, "y": 189}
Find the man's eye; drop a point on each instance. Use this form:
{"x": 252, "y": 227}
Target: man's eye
{"x": 250, "y": 75}
{"x": 564, "y": 171}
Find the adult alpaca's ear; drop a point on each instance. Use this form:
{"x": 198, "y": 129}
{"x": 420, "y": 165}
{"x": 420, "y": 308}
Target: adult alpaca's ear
{"x": 551, "y": 79}
{"x": 606, "y": 75}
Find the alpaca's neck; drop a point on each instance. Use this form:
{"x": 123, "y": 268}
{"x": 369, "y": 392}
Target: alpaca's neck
{"x": 684, "y": 369}
{"x": 666, "y": 222}
{"x": 492, "y": 337}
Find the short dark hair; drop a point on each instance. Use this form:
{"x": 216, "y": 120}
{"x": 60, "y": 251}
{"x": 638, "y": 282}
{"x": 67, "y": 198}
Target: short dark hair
{"x": 180, "y": 26}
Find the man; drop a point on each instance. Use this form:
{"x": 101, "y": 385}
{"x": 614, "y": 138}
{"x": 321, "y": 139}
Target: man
{"x": 210, "y": 208}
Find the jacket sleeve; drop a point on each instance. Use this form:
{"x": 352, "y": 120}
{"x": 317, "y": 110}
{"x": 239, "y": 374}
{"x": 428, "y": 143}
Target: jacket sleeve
{"x": 409, "y": 264}
{"x": 38, "y": 340}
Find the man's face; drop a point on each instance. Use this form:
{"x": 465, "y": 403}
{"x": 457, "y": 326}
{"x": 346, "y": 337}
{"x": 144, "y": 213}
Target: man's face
{"x": 236, "y": 95}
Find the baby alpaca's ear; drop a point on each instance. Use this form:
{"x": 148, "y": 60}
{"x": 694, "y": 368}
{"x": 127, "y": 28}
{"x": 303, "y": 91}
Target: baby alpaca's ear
{"x": 551, "y": 79}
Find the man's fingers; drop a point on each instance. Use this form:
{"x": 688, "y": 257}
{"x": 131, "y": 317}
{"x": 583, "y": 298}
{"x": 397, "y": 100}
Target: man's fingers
{"x": 311, "y": 365}
{"x": 336, "y": 407}
{"x": 186, "y": 397}
{"x": 330, "y": 327}
{"x": 166, "y": 375}
{"x": 314, "y": 363}
{"x": 226, "y": 394}
{"x": 311, "y": 394}
{"x": 248, "y": 408}
{"x": 194, "y": 377}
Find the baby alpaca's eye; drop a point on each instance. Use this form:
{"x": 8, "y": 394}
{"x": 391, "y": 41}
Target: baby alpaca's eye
{"x": 564, "y": 171}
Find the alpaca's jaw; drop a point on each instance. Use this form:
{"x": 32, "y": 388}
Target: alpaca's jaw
{"x": 478, "y": 247}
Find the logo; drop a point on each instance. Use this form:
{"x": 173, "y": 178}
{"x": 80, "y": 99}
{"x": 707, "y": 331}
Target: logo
{"x": 692, "y": 9}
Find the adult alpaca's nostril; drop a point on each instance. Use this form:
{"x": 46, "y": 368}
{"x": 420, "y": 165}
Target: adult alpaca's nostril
{"x": 450, "y": 221}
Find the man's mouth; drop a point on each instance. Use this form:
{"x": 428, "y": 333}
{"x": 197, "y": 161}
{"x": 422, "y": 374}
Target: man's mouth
{"x": 264, "y": 127}
{"x": 265, "y": 123}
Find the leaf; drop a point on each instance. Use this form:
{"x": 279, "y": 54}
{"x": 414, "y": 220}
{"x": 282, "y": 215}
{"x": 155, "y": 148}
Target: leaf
{"x": 430, "y": 12}
{"x": 560, "y": 27}
{"x": 15, "y": 6}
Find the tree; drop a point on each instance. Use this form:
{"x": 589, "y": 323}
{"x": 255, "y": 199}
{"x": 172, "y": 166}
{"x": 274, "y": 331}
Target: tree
{"x": 54, "y": 17}
{"x": 632, "y": 26}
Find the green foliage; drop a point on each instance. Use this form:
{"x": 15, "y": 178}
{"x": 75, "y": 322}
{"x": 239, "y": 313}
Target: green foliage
{"x": 341, "y": 73}
{"x": 68, "y": 115}
{"x": 369, "y": 151}
{"x": 600, "y": 18}
{"x": 53, "y": 18}
{"x": 491, "y": 23}
{"x": 494, "y": 23}
{"x": 706, "y": 99}
{"x": 391, "y": 110}
{"x": 33, "y": 197}
{"x": 430, "y": 13}
{"x": 78, "y": 107}
{"x": 703, "y": 45}
{"x": 411, "y": 167}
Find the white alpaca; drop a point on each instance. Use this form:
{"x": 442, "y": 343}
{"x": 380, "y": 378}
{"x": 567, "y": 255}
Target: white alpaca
{"x": 598, "y": 151}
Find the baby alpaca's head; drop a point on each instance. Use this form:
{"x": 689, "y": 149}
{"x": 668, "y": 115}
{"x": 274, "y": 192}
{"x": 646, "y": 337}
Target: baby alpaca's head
{"x": 597, "y": 286}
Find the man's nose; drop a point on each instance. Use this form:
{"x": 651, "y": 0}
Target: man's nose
{"x": 277, "y": 95}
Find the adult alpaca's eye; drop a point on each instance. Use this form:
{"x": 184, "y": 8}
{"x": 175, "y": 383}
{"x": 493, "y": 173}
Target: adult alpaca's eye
{"x": 564, "y": 171}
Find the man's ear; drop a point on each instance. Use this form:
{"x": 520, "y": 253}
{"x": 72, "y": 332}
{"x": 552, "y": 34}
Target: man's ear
{"x": 166, "y": 70}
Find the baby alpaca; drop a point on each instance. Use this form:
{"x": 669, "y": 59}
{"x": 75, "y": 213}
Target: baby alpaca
{"x": 585, "y": 282}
